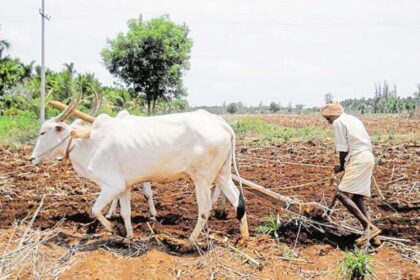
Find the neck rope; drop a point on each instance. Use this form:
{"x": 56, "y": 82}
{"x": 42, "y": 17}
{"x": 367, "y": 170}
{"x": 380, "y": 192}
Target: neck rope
{"x": 68, "y": 149}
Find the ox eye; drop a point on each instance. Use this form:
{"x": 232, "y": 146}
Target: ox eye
{"x": 42, "y": 133}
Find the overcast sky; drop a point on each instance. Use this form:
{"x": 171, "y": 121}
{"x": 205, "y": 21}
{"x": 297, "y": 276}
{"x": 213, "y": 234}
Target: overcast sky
{"x": 244, "y": 50}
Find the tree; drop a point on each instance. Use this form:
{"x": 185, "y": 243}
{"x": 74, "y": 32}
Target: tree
{"x": 12, "y": 72}
{"x": 383, "y": 101}
{"x": 150, "y": 59}
{"x": 299, "y": 108}
{"x": 416, "y": 94}
{"x": 274, "y": 107}
{"x": 232, "y": 108}
{"x": 289, "y": 108}
{"x": 4, "y": 45}
{"x": 329, "y": 98}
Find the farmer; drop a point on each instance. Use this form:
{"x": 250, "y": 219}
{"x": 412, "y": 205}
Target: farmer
{"x": 357, "y": 162}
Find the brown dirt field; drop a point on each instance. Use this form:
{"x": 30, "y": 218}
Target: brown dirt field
{"x": 374, "y": 124}
{"x": 105, "y": 256}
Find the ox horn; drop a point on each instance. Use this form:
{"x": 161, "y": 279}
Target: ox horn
{"x": 97, "y": 103}
{"x": 70, "y": 108}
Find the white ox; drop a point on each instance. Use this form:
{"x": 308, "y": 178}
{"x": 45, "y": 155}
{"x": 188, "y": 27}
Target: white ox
{"x": 146, "y": 187}
{"x": 121, "y": 152}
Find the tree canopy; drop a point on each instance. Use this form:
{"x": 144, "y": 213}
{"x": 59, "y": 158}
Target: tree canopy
{"x": 385, "y": 100}
{"x": 150, "y": 59}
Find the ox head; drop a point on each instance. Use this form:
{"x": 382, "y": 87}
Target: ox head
{"x": 55, "y": 134}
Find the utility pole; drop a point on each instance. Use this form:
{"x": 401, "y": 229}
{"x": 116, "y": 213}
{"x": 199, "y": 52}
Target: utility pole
{"x": 43, "y": 17}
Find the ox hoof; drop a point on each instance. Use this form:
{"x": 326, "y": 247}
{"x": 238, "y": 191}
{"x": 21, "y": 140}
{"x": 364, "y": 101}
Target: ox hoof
{"x": 220, "y": 214}
{"x": 153, "y": 218}
{"x": 176, "y": 245}
{"x": 119, "y": 230}
{"x": 242, "y": 241}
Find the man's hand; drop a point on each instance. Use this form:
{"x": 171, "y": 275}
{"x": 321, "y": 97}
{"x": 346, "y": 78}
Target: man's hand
{"x": 338, "y": 168}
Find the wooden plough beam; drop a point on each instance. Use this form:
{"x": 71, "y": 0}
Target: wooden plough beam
{"x": 276, "y": 198}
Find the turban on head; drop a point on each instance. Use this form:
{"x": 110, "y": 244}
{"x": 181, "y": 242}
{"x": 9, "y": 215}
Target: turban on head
{"x": 332, "y": 110}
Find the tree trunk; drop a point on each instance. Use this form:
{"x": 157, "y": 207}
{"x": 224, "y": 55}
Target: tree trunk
{"x": 149, "y": 107}
{"x": 154, "y": 107}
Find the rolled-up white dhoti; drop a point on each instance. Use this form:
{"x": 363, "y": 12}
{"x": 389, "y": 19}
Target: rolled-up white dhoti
{"x": 358, "y": 174}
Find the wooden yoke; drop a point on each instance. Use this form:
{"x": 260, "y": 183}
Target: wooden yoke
{"x": 80, "y": 133}
{"x": 76, "y": 113}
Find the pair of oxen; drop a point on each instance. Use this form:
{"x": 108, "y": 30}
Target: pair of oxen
{"x": 119, "y": 152}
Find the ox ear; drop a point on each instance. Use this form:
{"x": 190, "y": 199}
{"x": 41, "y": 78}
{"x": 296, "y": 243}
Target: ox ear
{"x": 59, "y": 128}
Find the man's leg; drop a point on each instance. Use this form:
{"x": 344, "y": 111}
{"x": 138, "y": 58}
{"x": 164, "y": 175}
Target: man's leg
{"x": 359, "y": 201}
{"x": 353, "y": 208}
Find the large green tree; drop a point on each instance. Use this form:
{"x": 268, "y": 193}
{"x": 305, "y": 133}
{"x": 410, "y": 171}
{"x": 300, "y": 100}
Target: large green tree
{"x": 12, "y": 72}
{"x": 150, "y": 59}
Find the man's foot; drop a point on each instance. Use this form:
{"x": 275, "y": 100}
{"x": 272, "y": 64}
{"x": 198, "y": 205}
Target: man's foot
{"x": 370, "y": 233}
{"x": 376, "y": 242}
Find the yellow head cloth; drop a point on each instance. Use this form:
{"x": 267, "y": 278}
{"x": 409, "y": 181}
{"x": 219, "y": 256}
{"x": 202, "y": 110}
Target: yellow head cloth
{"x": 332, "y": 110}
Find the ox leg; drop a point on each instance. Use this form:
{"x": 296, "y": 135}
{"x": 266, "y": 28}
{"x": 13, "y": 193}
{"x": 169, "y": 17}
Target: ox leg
{"x": 216, "y": 194}
{"x": 105, "y": 197}
{"x": 203, "y": 193}
{"x": 236, "y": 199}
{"x": 112, "y": 209}
{"x": 147, "y": 192}
{"x": 219, "y": 213}
{"x": 125, "y": 201}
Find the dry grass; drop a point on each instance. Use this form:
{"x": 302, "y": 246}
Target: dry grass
{"x": 25, "y": 252}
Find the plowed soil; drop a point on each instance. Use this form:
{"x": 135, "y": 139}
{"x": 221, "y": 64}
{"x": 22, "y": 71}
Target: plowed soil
{"x": 298, "y": 169}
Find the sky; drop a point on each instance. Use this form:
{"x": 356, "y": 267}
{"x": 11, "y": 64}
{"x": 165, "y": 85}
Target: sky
{"x": 243, "y": 50}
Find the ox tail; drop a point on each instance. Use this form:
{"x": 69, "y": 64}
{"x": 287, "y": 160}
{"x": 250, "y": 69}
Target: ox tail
{"x": 240, "y": 210}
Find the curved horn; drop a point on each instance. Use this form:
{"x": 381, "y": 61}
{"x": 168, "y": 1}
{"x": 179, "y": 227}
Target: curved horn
{"x": 70, "y": 108}
{"x": 97, "y": 104}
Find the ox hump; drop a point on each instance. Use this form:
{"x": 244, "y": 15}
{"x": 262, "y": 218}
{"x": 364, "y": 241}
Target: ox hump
{"x": 101, "y": 121}
{"x": 123, "y": 114}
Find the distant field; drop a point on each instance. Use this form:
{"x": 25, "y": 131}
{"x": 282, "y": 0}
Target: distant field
{"x": 270, "y": 128}
{"x": 276, "y": 127}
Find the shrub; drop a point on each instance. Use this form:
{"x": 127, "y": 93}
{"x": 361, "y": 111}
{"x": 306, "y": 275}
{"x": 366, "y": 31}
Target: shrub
{"x": 356, "y": 265}
{"x": 271, "y": 226}
{"x": 232, "y": 108}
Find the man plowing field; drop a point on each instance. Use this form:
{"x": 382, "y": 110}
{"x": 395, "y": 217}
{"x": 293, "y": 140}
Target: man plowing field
{"x": 357, "y": 162}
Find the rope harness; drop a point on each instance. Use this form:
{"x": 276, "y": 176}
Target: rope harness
{"x": 68, "y": 148}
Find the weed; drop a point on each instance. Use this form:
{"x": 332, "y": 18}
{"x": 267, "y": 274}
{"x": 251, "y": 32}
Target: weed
{"x": 356, "y": 265}
{"x": 271, "y": 226}
{"x": 289, "y": 253}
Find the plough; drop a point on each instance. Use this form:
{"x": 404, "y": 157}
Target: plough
{"x": 308, "y": 209}
{"x": 311, "y": 212}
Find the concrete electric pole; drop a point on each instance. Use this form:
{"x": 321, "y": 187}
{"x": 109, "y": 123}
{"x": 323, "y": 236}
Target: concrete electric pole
{"x": 42, "y": 107}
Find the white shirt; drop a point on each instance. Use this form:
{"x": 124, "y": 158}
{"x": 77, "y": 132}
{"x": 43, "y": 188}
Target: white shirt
{"x": 351, "y": 135}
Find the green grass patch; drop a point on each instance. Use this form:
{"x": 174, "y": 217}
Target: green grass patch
{"x": 259, "y": 131}
{"x": 270, "y": 225}
{"x": 18, "y": 130}
{"x": 356, "y": 265}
